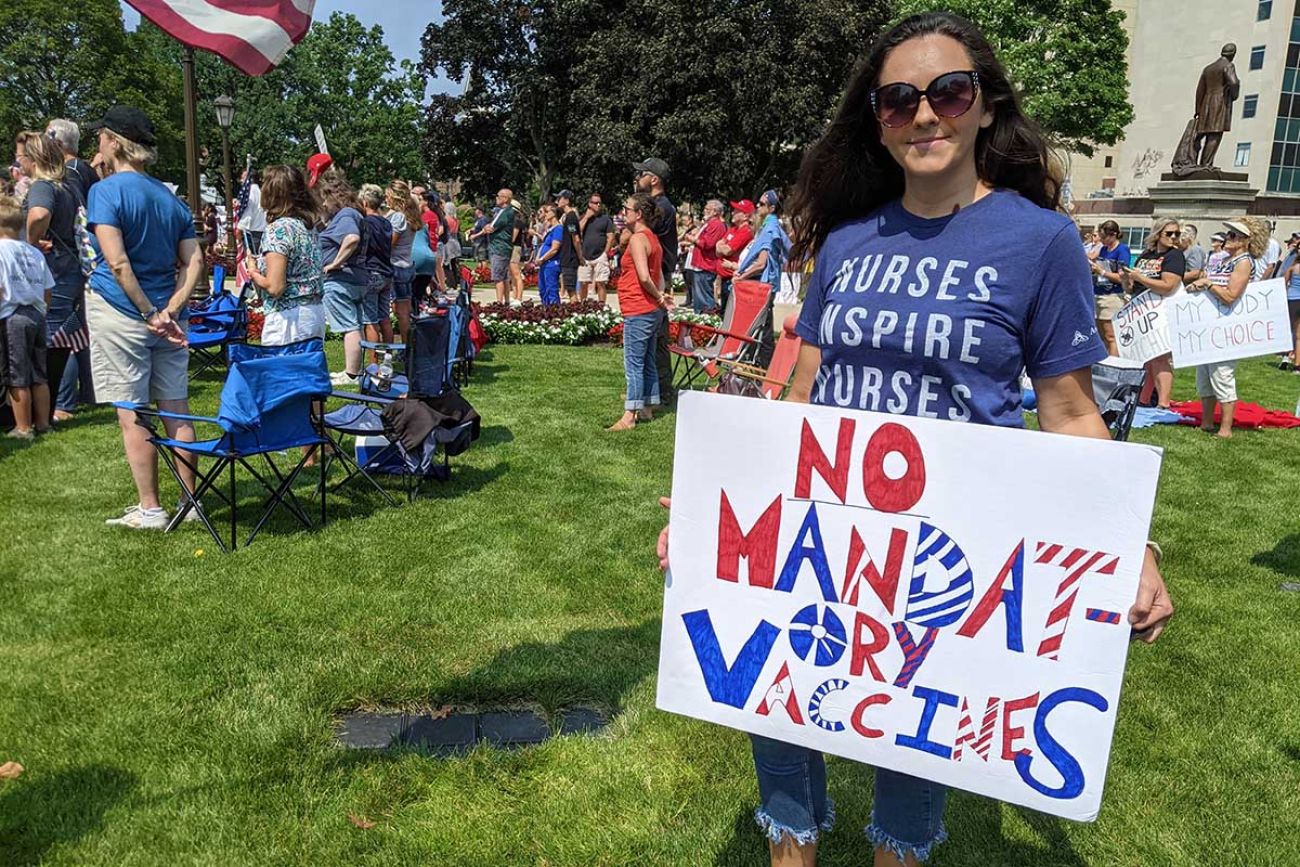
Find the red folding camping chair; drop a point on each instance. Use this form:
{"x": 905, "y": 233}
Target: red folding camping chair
{"x": 736, "y": 341}
{"x": 772, "y": 382}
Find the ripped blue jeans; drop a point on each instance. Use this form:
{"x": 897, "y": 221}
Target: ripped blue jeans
{"x": 906, "y": 813}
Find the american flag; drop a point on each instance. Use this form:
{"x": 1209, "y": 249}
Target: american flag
{"x": 252, "y": 35}
{"x": 240, "y": 205}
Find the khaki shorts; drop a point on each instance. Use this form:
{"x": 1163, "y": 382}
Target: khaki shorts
{"x": 128, "y": 362}
{"x": 1218, "y": 381}
{"x": 596, "y": 271}
{"x": 1109, "y": 305}
{"x": 516, "y": 255}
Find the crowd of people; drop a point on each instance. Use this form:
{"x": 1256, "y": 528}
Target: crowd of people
{"x": 929, "y": 159}
{"x": 1172, "y": 258}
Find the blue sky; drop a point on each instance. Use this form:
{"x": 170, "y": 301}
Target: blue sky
{"x": 403, "y": 22}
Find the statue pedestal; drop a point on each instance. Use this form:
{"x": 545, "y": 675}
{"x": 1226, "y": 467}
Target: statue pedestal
{"x": 1225, "y": 197}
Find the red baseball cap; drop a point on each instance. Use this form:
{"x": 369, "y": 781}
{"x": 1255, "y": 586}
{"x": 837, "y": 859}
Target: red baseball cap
{"x": 316, "y": 166}
{"x": 745, "y": 206}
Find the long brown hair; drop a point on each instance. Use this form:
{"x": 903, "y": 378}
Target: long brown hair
{"x": 335, "y": 193}
{"x": 400, "y": 199}
{"x": 849, "y": 172}
{"x": 45, "y": 154}
{"x": 285, "y": 194}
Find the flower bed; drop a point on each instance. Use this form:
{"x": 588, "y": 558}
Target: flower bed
{"x": 568, "y": 324}
{"x": 677, "y": 320}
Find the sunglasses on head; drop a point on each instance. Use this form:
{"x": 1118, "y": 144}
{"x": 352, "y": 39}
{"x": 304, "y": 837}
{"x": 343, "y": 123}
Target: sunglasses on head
{"x": 950, "y": 95}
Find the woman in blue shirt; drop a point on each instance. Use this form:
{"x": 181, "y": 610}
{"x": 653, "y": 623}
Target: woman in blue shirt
{"x": 548, "y": 256}
{"x": 921, "y": 303}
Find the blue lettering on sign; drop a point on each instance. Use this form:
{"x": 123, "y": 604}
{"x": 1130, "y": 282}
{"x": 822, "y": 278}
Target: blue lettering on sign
{"x": 835, "y": 684}
{"x": 729, "y": 684}
{"x": 814, "y": 553}
{"x": 921, "y": 740}
{"x": 1066, "y": 765}
{"x": 825, "y": 633}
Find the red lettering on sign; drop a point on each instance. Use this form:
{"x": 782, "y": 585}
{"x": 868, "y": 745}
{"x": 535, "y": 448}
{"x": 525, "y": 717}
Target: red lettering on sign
{"x": 758, "y": 546}
{"x": 884, "y": 493}
{"x": 886, "y": 585}
{"x": 863, "y": 652}
{"x": 1011, "y": 734}
{"x": 811, "y": 457}
{"x": 858, "y": 712}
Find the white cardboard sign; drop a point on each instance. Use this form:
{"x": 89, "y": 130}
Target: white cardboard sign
{"x": 947, "y": 600}
{"x": 1141, "y": 328}
{"x": 320, "y": 140}
{"x": 1204, "y": 330}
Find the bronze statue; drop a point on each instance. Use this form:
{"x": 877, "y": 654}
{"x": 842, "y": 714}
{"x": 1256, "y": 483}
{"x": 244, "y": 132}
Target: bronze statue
{"x": 1215, "y": 92}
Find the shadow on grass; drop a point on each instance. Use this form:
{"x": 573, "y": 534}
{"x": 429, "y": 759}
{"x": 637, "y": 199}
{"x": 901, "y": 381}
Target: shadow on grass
{"x": 587, "y": 666}
{"x": 357, "y": 500}
{"x": 494, "y": 435}
{"x": 981, "y": 817}
{"x": 1284, "y": 559}
{"x": 40, "y": 810}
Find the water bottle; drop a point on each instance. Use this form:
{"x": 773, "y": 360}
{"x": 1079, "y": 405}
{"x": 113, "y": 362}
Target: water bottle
{"x": 385, "y": 371}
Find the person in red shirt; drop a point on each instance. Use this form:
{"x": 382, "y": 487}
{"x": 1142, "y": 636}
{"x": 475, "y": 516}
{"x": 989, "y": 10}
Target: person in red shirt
{"x": 429, "y": 216}
{"x": 733, "y": 244}
{"x": 706, "y": 257}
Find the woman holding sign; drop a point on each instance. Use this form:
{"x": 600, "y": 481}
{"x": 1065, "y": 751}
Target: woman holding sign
{"x": 1159, "y": 268}
{"x": 1226, "y": 280}
{"x": 921, "y": 304}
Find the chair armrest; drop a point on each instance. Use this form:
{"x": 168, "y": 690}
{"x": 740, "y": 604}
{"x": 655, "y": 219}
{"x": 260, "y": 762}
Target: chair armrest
{"x": 142, "y": 410}
{"x": 735, "y": 334}
{"x": 388, "y": 347}
{"x": 356, "y": 397}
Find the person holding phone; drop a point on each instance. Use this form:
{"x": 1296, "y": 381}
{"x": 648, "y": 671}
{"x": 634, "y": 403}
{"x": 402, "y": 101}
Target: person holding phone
{"x": 927, "y": 161}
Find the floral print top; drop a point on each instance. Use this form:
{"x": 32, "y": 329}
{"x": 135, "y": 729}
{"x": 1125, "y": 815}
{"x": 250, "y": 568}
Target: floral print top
{"x": 303, "y": 272}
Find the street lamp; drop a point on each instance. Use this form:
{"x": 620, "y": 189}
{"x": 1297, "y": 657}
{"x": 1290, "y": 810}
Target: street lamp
{"x": 225, "y": 107}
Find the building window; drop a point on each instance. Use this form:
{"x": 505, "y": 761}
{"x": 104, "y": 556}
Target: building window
{"x": 1110, "y": 162}
{"x": 1284, "y": 157}
{"x": 1257, "y": 57}
{"x": 1250, "y": 105}
{"x": 1265, "y": 10}
{"x": 1243, "y": 155}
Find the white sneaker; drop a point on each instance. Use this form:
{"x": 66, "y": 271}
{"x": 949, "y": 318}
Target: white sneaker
{"x": 191, "y": 516}
{"x": 343, "y": 378}
{"x": 137, "y": 518}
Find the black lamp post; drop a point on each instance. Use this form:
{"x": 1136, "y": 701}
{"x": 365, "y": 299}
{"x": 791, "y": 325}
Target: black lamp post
{"x": 225, "y": 107}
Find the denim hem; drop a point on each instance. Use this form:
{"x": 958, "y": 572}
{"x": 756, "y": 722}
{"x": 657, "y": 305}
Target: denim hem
{"x": 775, "y": 831}
{"x": 633, "y": 405}
{"x": 900, "y": 849}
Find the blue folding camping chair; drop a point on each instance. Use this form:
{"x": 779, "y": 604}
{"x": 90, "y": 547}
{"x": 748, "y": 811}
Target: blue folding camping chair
{"x": 1116, "y": 387}
{"x": 219, "y": 321}
{"x": 266, "y": 407}
{"x": 428, "y": 376}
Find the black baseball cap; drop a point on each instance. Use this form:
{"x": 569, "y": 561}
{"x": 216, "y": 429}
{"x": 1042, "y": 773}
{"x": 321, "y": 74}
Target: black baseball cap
{"x": 654, "y": 166}
{"x": 565, "y": 194}
{"x": 131, "y": 124}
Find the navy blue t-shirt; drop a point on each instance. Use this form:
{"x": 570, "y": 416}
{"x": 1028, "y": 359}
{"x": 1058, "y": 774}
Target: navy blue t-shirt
{"x": 937, "y": 317}
{"x": 379, "y": 245}
{"x": 348, "y": 221}
{"x": 1121, "y": 257}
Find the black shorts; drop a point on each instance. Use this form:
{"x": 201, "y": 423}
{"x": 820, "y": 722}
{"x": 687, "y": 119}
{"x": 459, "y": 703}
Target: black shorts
{"x": 569, "y": 279}
{"x": 25, "y": 334}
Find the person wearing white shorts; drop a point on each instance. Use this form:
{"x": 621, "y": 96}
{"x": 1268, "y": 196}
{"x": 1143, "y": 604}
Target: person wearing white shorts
{"x": 304, "y": 322}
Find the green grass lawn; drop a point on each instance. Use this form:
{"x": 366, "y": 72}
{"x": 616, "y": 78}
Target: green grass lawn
{"x": 174, "y": 706}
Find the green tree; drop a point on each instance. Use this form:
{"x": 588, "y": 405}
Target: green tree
{"x": 573, "y": 91}
{"x": 341, "y": 76}
{"x": 74, "y": 60}
{"x": 1067, "y": 58}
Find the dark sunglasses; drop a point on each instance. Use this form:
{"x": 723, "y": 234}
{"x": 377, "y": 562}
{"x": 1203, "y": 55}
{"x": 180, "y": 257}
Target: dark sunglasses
{"x": 950, "y": 95}
{"x": 1233, "y": 236}
{"x": 1174, "y": 233}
